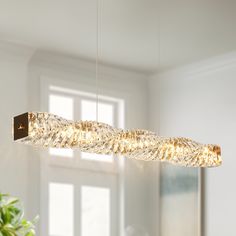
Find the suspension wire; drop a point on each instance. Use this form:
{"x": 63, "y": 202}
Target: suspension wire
{"x": 162, "y": 168}
{"x": 159, "y": 35}
{"x": 98, "y": 21}
{"x": 159, "y": 56}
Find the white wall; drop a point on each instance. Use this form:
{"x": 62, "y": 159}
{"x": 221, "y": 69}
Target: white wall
{"x": 199, "y": 101}
{"x": 14, "y": 173}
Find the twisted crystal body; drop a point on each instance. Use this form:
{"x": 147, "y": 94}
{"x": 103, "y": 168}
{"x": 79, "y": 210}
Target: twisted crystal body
{"x": 48, "y": 130}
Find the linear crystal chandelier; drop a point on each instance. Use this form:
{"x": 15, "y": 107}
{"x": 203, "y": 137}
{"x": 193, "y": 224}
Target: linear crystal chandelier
{"x": 47, "y": 130}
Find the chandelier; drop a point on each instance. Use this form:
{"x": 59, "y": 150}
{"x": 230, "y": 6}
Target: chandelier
{"x": 43, "y": 129}
{"x": 47, "y": 130}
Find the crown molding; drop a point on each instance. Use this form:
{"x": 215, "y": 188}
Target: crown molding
{"x": 202, "y": 67}
{"x": 76, "y": 64}
{"x": 13, "y": 50}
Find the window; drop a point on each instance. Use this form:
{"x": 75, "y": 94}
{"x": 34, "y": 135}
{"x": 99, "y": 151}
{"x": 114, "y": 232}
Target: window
{"x": 77, "y": 105}
{"x": 61, "y": 209}
{"x": 95, "y": 212}
{"x": 79, "y": 190}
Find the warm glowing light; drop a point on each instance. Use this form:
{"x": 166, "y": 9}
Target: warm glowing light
{"x": 48, "y": 130}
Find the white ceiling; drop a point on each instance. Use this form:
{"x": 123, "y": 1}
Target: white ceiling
{"x": 191, "y": 30}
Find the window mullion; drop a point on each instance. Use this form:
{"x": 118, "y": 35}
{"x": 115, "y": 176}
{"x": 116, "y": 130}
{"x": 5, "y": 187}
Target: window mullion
{"x": 77, "y": 211}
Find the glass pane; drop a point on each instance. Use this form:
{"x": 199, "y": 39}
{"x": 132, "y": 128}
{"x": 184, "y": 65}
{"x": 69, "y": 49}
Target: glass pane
{"x": 95, "y": 213}
{"x": 61, "y": 213}
{"x": 106, "y": 115}
{"x": 88, "y": 111}
{"x": 64, "y": 107}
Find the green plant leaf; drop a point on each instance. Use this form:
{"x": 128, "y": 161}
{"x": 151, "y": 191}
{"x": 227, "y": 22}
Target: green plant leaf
{"x": 30, "y": 233}
{"x": 12, "y": 201}
{"x": 12, "y": 222}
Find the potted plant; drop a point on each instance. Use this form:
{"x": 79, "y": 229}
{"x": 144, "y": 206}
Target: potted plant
{"x": 12, "y": 222}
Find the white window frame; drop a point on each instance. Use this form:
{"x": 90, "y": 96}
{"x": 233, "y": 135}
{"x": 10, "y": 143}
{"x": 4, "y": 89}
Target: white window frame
{"x": 51, "y": 166}
{"x": 96, "y": 179}
{"x": 50, "y": 85}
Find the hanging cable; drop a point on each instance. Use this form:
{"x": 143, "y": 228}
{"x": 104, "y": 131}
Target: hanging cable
{"x": 97, "y": 53}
